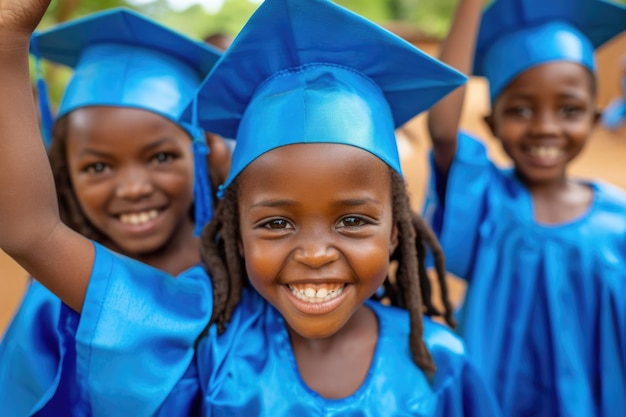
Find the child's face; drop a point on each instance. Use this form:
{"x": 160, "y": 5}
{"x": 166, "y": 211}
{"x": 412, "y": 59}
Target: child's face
{"x": 132, "y": 173}
{"x": 316, "y": 232}
{"x": 543, "y": 119}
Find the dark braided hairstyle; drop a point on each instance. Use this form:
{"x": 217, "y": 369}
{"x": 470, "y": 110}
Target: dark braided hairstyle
{"x": 411, "y": 288}
{"x": 69, "y": 208}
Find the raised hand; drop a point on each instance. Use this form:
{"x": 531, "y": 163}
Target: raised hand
{"x": 31, "y": 231}
{"x": 19, "y": 18}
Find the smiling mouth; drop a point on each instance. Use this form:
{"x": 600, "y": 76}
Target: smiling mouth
{"x": 545, "y": 152}
{"x": 138, "y": 218}
{"x": 316, "y": 294}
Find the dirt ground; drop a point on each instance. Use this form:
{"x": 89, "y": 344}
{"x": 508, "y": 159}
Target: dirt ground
{"x": 604, "y": 158}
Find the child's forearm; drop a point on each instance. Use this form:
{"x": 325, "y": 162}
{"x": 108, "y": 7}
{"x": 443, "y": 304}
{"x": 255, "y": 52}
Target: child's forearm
{"x": 30, "y": 229}
{"x": 28, "y": 206}
{"x": 458, "y": 52}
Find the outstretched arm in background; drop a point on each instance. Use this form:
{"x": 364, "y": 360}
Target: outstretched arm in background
{"x": 458, "y": 52}
{"x": 30, "y": 228}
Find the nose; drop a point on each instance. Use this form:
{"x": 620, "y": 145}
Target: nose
{"x": 133, "y": 184}
{"x": 545, "y": 123}
{"x": 316, "y": 249}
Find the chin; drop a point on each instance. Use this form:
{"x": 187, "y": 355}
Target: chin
{"x": 141, "y": 248}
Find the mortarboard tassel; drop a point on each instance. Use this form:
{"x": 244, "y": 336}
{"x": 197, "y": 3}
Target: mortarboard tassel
{"x": 42, "y": 95}
{"x": 203, "y": 193}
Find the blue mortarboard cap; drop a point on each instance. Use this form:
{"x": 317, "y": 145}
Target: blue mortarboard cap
{"x": 309, "y": 71}
{"x": 519, "y": 34}
{"x": 123, "y": 59}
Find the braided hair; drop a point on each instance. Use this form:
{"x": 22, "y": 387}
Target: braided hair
{"x": 410, "y": 289}
{"x": 69, "y": 208}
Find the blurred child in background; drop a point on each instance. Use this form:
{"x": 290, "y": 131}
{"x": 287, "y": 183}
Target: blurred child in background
{"x": 544, "y": 254}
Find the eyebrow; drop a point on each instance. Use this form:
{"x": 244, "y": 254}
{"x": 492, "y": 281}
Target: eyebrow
{"x": 354, "y": 202}
{"x": 275, "y": 203}
{"x": 147, "y": 148}
{"x": 349, "y": 202}
{"x": 158, "y": 143}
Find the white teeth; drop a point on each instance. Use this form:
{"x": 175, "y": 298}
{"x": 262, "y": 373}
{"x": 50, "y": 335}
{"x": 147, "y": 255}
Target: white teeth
{"x": 310, "y": 295}
{"x": 546, "y": 152}
{"x": 139, "y": 218}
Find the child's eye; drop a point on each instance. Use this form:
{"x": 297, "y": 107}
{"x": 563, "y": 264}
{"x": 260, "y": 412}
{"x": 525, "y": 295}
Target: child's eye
{"x": 163, "y": 157}
{"x": 277, "y": 224}
{"x": 96, "y": 168}
{"x": 519, "y": 111}
{"x": 571, "y": 110}
{"x": 352, "y": 221}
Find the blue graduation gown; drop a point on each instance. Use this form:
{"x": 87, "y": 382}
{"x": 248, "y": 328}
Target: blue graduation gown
{"x": 135, "y": 354}
{"x": 545, "y": 313}
{"x": 30, "y": 354}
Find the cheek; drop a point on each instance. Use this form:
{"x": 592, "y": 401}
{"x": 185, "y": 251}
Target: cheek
{"x": 371, "y": 259}
{"x": 178, "y": 182}
{"x": 262, "y": 260}
{"x": 89, "y": 195}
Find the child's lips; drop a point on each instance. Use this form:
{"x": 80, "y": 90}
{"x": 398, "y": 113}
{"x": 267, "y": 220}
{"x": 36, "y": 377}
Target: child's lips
{"x": 545, "y": 155}
{"x": 316, "y": 293}
{"x": 323, "y": 300}
{"x": 138, "y": 218}
{"x": 140, "y": 221}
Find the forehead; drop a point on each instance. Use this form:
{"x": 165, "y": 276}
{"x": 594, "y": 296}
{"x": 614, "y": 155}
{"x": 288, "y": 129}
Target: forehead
{"x": 318, "y": 167}
{"x": 551, "y": 77}
{"x": 128, "y": 126}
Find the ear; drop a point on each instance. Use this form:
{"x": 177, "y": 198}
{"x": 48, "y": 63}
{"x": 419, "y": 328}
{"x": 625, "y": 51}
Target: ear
{"x": 393, "y": 239}
{"x": 490, "y": 124}
{"x": 597, "y": 117}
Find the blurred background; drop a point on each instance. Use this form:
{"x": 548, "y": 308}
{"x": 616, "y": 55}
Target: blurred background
{"x": 421, "y": 22}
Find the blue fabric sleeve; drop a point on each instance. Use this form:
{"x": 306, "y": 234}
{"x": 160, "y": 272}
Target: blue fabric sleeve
{"x": 456, "y": 202}
{"x": 462, "y": 392}
{"x": 614, "y": 115}
{"x": 30, "y": 354}
{"x": 137, "y": 333}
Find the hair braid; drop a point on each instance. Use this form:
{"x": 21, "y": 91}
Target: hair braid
{"x": 428, "y": 237}
{"x": 408, "y": 274}
{"x": 219, "y": 251}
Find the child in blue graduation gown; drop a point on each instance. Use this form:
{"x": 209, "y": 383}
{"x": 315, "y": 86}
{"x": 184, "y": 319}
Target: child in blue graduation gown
{"x": 314, "y": 211}
{"x": 123, "y": 168}
{"x": 544, "y": 254}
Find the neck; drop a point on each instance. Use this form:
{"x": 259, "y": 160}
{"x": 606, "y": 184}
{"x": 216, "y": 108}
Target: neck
{"x": 181, "y": 252}
{"x": 545, "y": 189}
{"x": 337, "y": 365}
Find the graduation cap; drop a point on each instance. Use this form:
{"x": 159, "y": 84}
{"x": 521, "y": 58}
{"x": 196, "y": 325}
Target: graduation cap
{"x": 309, "y": 71}
{"x": 123, "y": 59}
{"x": 516, "y": 35}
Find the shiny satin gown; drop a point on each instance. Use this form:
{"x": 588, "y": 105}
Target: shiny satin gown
{"x": 136, "y": 354}
{"x": 545, "y": 313}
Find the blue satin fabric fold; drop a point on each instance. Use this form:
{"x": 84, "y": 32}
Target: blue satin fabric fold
{"x": 251, "y": 370}
{"x": 30, "y": 354}
{"x": 545, "y": 314}
{"x": 136, "y": 356}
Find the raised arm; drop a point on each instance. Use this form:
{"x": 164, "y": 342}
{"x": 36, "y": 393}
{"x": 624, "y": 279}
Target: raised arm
{"x": 30, "y": 229}
{"x": 458, "y": 52}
